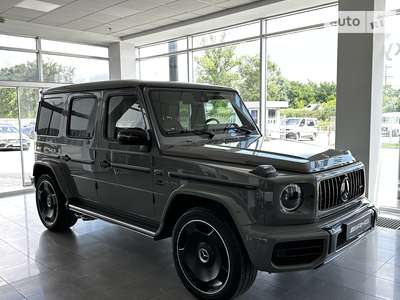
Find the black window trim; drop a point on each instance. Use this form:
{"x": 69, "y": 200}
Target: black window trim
{"x": 70, "y": 102}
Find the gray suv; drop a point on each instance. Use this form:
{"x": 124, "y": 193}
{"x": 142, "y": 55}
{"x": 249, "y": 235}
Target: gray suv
{"x": 187, "y": 161}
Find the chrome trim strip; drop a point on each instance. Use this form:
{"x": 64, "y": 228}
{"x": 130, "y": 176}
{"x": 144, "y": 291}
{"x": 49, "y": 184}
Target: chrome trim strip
{"x": 90, "y": 213}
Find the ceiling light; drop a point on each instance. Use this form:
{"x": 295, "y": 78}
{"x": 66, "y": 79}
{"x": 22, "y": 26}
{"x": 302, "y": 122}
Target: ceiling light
{"x": 37, "y": 5}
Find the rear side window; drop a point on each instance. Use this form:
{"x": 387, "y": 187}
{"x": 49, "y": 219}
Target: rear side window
{"x": 82, "y": 117}
{"x": 50, "y": 113}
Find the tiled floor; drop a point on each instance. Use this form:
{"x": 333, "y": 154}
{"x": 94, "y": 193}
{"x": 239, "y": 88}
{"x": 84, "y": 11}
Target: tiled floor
{"x": 97, "y": 260}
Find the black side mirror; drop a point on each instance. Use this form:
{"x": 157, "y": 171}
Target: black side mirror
{"x": 133, "y": 136}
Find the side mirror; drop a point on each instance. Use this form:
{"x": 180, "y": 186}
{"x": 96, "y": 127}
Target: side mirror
{"x": 133, "y": 136}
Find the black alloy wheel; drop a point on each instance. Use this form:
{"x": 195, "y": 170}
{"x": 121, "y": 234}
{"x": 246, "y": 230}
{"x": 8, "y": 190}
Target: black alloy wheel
{"x": 51, "y": 205}
{"x": 203, "y": 256}
{"x": 47, "y": 202}
{"x": 209, "y": 257}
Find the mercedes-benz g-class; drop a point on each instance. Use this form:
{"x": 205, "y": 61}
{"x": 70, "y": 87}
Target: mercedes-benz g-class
{"x": 187, "y": 161}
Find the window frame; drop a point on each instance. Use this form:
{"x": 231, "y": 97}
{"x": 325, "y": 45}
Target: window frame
{"x": 69, "y": 114}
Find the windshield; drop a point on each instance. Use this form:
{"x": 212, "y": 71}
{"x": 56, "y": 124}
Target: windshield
{"x": 197, "y": 112}
{"x": 8, "y": 129}
{"x": 291, "y": 122}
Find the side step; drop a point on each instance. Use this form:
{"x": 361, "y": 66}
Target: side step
{"x": 96, "y": 215}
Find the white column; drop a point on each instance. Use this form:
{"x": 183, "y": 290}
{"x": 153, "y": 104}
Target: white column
{"x": 359, "y": 91}
{"x": 122, "y": 61}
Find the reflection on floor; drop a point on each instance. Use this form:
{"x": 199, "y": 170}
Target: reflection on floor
{"x": 97, "y": 260}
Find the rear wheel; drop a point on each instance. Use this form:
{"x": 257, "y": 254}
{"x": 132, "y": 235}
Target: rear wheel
{"x": 51, "y": 205}
{"x": 209, "y": 258}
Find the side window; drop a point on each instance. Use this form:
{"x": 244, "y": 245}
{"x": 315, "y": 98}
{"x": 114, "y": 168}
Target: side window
{"x": 50, "y": 113}
{"x": 82, "y": 118}
{"x": 123, "y": 112}
{"x": 310, "y": 123}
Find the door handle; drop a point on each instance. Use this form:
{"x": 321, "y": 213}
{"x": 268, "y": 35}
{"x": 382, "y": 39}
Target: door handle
{"x": 158, "y": 172}
{"x": 66, "y": 157}
{"x": 105, "y": 164}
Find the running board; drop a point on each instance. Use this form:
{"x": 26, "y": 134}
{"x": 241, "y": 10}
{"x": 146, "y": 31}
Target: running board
{"x": 96, "y": 215}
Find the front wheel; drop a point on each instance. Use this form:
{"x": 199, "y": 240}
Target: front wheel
{"x": 51, "y": 206}
{"x": 209, "y": 258}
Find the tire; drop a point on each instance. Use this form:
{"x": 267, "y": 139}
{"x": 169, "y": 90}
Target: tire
{"x": 51, "y": 206}
{"x": 204, "y": 241}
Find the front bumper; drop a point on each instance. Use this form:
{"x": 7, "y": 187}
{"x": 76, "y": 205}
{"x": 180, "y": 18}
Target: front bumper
{"x": 305, "y": 246}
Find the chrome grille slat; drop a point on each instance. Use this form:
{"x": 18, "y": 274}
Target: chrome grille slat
{"x": 329, "y": 195}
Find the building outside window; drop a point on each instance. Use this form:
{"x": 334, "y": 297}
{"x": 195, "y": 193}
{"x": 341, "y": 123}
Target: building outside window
{"x": 300, "y": 73}
{"x": 26, "y": 66}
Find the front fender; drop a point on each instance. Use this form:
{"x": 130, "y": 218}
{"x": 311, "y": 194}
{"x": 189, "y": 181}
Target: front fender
{"x": 238, "y": 202}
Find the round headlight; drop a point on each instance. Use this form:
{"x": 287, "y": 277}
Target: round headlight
{"x": 291, "y": 197}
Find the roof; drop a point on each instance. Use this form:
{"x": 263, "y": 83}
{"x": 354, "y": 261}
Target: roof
{"x": 118, "y": 84}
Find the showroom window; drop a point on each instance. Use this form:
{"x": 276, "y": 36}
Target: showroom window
{"x": 18, "y": 66}
{"x": 293, "y": 76}
{"x": 28, "y": 65}
{"x": 388, "y": 179}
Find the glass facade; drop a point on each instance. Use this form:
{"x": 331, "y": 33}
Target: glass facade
{"x": 26, "y": 66}
{"x": 388, "y": 179}
{"x": 284, "y": 68}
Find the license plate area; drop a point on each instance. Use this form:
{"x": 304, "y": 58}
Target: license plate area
{"x": 356, "y": 227}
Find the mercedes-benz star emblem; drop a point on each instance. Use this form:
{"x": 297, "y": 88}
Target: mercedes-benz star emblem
{"x": 203, "y": 255}
{"x": 345, "y": 189}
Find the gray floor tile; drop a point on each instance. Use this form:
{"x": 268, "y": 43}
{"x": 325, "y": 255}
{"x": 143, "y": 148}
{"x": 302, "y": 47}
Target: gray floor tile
{"x": 7, "y": 292}
{"x": 96, "y": 260}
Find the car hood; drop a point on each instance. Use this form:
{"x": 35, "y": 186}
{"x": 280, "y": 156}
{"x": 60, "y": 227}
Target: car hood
{"x": 283, "y": 155}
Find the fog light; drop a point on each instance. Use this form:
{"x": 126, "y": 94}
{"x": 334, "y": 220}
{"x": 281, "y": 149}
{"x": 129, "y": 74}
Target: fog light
{"x": 291, "y": 197}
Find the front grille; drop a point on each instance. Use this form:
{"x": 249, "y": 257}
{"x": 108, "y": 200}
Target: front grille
{"x": 333, "y": 194}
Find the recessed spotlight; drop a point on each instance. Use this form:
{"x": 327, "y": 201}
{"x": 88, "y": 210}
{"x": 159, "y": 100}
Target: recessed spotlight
{"x": 37, "y": 5}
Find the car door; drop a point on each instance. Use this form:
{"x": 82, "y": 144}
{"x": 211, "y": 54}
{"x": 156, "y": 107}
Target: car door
{"x": 125, "y": 171}
{"x": 78, "y": 147}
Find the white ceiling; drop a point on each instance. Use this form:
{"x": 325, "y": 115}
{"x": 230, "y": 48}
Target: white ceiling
{"x": 106, "y": 20}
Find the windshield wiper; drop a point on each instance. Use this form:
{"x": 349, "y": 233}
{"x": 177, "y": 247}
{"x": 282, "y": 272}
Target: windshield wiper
{"x": 238, "y": 128}
{"x": 194, "y": 131}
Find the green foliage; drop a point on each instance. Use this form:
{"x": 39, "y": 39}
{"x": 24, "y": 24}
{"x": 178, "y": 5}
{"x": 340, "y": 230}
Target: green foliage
{"x": 277, "y": 84}
{"x": 221, "y": 66}
{"x": 249, "y": 72}
{"x": 218, "y": 67}
{"x": 52, "y": 72}
{"x": 391, "y": 99}
{"x": 8, "y": 103}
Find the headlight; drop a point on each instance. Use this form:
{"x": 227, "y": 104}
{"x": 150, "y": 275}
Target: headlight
{"x": 291, "y": 197}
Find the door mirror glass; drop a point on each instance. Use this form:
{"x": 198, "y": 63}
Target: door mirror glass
{"x": 133, "y": 136}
